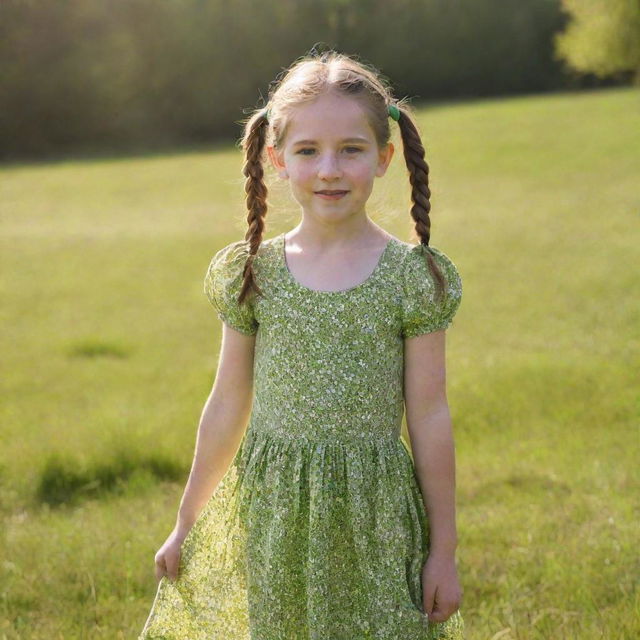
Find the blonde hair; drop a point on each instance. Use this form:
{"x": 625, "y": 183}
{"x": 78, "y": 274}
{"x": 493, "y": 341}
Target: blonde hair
{"x": 307, "y": 78}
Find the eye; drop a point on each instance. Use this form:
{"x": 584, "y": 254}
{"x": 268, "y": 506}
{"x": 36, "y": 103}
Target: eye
{"x": 349, "y": 149}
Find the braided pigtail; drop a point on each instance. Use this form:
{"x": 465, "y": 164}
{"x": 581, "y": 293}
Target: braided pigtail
{"x": 253, "y": 144}
{"x": 420, "y": 193}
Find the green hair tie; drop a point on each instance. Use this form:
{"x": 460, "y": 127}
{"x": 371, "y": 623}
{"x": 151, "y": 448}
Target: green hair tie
{"x": 266, "y": 113}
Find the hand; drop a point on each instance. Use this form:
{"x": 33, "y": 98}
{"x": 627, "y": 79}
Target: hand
{"x": 167, "y": 559}
{"x": 442, "y": 593}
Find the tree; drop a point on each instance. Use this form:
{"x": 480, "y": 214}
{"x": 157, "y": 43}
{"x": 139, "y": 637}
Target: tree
{"x": 602, "y": 36}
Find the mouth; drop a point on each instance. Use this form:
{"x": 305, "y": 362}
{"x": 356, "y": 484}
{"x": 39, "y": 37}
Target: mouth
{"x": 331, "y": 193}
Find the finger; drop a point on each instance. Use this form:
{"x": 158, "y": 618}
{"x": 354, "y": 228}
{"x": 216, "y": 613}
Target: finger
{"x": 442, "y": 611}
{"x": 428, "y": 599}
{"x": 161, "y": 569}
{"x": 438, "y": 614}
{"x": 173, "y": 566}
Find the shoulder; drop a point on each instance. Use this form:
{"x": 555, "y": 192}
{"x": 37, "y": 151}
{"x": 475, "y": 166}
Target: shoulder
{"x": 413, "y": 252}
{"x": 428, "y": 306}
{"x": 223, "y": 282}
{"x": 225, "y": 271}
{"x": 415, "y": 265}
{"x": 231, "y": 253}
{"x": 229, "y": 261}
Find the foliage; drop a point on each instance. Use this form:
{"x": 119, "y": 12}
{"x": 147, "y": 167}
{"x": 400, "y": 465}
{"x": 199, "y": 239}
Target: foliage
{"x": 93, "y": 75}
{"x": 603, "y": 36}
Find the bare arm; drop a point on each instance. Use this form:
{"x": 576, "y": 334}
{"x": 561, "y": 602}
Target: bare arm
{"x": 430, "y": 429}
{"x": 222, "y": 423}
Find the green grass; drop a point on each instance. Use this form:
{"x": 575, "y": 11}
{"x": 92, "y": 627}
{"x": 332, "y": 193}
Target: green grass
{"x": 109, "y": 350}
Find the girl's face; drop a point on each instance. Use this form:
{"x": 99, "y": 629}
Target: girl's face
{"x": 330, "y": 146}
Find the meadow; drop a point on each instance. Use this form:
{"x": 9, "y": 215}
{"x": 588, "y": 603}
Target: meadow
{"x": 109, "y": 350}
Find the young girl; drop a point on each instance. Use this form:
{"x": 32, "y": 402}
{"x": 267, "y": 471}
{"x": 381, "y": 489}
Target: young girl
{"x": 314, "y": 524}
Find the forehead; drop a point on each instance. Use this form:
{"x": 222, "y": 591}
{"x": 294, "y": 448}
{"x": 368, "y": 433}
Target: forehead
{"x": 329, "y": 118}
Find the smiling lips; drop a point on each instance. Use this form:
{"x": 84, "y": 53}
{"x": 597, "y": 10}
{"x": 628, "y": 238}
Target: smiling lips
{"x": 331, "y": 195}
{"x": 325, "y": 194}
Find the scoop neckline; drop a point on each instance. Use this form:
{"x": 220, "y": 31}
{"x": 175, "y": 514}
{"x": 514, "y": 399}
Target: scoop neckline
{"x": 319, "y": 292}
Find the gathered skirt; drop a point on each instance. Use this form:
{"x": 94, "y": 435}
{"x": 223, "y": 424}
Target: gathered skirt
{"x": 305, "y": 540}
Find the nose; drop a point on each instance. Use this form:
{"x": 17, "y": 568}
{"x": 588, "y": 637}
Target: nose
{"x": 329, "y": 167}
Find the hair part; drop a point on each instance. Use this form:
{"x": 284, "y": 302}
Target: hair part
{"x": 305, "y": 80}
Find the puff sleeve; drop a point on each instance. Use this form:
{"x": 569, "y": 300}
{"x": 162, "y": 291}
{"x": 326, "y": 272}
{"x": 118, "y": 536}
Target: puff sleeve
{"x": 421, "y": 311}
{"x": 222, "y": 284}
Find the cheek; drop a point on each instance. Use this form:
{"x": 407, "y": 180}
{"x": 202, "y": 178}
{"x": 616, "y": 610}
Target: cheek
{"x": 361, "y": 172}
{"x": 301, "y": 174}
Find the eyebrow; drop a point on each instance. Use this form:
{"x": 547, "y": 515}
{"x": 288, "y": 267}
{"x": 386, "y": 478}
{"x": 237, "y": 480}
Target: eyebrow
{"x": 361, "y": 140}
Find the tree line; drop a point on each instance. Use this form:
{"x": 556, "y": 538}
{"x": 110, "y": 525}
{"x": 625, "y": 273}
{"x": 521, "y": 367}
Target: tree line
{"x": 84, "y": 75}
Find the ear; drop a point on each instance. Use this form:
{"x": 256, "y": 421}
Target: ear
{"x": 278, "y": 162}
{"x": 384, "y": 158}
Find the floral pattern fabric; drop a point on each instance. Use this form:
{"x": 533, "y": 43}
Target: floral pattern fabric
{"x": 318, "y": 530}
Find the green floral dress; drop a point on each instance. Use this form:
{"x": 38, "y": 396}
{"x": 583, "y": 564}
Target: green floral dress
{"x": 318, "y": 530}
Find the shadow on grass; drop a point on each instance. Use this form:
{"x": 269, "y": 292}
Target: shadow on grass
{"x": 532, "y": 484}
{"x": 98, "y": 348}
{"x": 64, "y": 481}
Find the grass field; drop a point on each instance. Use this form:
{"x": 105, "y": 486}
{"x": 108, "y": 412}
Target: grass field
{"x": 109, "y": 349}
